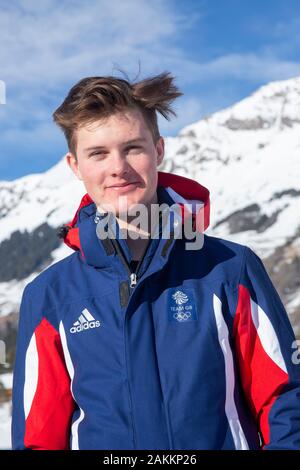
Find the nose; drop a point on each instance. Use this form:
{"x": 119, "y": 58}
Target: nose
{"x": 119, "y": 164}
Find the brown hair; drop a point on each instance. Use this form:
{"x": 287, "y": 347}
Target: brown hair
{"x": 95, "y": 98}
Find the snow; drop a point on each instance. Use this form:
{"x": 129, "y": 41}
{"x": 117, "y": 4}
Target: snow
{"x": 52, "y": 196}
{"x": 5, "y": 413}
{"x": 7, "y": 380}
{"x": 11, "y": 292}
{"x": 5, "y": 426}
{"x": 270, "y": 103}
{"x": 243, "y": 167}
{"x": 294, "y": 302}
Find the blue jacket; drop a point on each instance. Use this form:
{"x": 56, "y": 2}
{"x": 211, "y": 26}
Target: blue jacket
{"x": 196, "y": 352}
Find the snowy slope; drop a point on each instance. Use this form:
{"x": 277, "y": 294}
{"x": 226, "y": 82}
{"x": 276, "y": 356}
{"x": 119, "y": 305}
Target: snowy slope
{"x": 29, "y": 201}
{"x": 248, "y": 154}
{"x": 5, "y": 426}
{"x": 5, "y": 413}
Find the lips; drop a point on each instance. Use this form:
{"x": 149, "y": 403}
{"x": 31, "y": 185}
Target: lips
{"x": 121, "y": 185}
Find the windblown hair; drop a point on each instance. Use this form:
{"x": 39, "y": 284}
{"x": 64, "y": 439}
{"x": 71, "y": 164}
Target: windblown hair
{"x": 96, "y": 98}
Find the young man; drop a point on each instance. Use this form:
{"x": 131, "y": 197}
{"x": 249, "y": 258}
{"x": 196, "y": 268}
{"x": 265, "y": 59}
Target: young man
{"x": 135, "y": 341}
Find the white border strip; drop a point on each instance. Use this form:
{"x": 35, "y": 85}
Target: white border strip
{"x": 267, "y": 335}
{"x": 70, "y": 367}
{"x": 237, "y": 432}
{"x": 31, "y": 375}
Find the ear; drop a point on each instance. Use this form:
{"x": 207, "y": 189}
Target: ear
{"x": 73, "y": 164}
{"x": 160, "y": 148}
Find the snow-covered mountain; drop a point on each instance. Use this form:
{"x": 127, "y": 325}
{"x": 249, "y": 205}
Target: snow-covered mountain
{"x": 247, "y": 155}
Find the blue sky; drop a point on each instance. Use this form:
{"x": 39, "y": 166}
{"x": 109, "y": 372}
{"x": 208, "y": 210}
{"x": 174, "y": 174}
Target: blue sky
{"x": 219, "y": 51}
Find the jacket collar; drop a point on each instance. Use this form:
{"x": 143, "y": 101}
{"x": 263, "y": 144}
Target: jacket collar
{"x": 80, "y": 233}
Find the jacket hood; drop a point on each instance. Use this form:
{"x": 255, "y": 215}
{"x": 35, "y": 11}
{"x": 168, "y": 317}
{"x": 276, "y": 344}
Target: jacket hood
{"x": 181, "y": 190}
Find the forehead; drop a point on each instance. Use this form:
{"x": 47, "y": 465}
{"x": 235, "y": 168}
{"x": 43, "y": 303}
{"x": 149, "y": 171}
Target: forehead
{"x": 113, "y": 129}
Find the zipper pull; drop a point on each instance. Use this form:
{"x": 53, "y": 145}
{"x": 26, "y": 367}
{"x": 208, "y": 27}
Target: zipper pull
{"x": 133, "y": 280}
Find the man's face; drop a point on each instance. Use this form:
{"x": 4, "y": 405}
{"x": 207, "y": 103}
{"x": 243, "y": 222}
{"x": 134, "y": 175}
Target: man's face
{"x": 117, "y": 161}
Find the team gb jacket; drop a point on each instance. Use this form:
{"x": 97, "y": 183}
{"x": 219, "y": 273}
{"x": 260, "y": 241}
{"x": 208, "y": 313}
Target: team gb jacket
{"x": 193, "y": 351}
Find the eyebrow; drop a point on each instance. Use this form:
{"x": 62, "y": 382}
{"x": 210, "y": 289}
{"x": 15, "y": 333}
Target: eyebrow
{"x": 101, "y": 147}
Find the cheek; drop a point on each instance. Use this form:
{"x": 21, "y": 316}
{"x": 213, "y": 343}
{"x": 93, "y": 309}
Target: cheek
{"x": 147, "y": 167}
{"x": 148, "y": 171}
{"x": 92, "y": 174}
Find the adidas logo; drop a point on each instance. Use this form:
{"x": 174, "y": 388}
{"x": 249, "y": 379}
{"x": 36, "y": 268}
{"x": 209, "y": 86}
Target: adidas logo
{"x": 85, "y": 322}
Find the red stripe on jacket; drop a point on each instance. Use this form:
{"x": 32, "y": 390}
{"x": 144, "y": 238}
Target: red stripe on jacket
{"x": 262, "y": 379}
{"x": 48, "y": 423}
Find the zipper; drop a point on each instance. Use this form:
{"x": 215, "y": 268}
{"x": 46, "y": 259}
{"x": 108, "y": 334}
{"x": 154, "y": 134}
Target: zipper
{"x": 133, "y": 276}
{"x": 120, "y": 253}
{"x": 125, "y": 297}
{"x": 133, "y": 280}
{"x": 124, "y": 303}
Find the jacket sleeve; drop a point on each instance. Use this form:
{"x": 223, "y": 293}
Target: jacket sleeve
{"x": 265, "y": 347}
{"x": 42, "y": 401}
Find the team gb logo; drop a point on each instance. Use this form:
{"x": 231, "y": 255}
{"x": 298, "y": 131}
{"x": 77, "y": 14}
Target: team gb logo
{"x": 180, "y": 298}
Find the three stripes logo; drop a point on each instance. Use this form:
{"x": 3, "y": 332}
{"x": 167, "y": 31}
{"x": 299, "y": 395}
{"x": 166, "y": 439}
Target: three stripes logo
{"x": 85, "y": 322}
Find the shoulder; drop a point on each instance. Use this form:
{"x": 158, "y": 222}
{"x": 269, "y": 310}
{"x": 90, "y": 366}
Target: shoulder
{"x": 224, "y": 258}
{"x": 43, "y": 297}
{"x": 224, "y": 250}
{"x": 221, "y": 245}
{"x": 53, "y": 275}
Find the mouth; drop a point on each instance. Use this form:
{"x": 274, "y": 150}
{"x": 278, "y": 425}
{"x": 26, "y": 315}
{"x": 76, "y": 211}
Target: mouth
{"x": 121, "y": 185}
{"x": 124, "y": 186}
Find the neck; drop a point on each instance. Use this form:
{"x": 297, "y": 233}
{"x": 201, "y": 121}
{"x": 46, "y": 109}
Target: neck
{"x": 137, "y": 237}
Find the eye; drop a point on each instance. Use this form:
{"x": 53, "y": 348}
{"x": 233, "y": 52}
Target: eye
{"x": 99, "y": 153}
{"x": 135, "y": 148}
